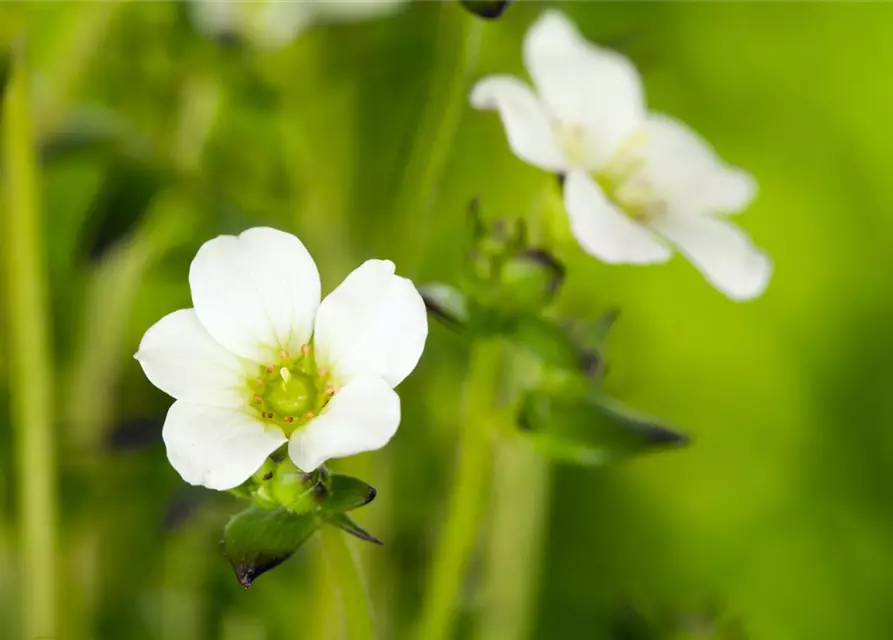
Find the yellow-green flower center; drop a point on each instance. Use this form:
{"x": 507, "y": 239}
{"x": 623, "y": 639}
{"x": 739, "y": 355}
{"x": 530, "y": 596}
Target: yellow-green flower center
{"x": 292, "y": 391}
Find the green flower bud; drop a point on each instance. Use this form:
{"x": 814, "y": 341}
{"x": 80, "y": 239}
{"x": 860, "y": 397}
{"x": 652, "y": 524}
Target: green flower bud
{"x": 488, "y": 9}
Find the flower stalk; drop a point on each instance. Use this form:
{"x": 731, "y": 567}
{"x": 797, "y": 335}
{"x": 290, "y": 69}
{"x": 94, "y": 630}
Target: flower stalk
{"x": 456, "y": 543}
{"x": 440, "y": 120}
{"x": 30, "y": 373}
{"x": 349, "y": 579}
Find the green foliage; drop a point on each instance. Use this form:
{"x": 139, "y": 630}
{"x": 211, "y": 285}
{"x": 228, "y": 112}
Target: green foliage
{"x": 257, "y": 539}
{"x": 289, "y": 506}
{"x": 781, "y": 508}
{"x": 590, "y": 429}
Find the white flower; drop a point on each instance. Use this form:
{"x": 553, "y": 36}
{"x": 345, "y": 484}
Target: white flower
{"x": 274, "y": 23}
{"x": 260, "y": 361}
{"x": 636, "y": 183}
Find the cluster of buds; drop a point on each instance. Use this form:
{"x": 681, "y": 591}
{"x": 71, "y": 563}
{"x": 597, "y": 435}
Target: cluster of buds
{"x": 506, "y": 291}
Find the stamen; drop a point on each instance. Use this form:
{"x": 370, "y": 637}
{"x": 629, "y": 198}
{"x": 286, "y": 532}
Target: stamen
{"x": 268, "y": 415}
{"x": 305, "y": 349}
{"x": 330, "y": 390}
{"x": 309, "y": 415}
{"x": 258, "y": 400}
{"x": 271, "y": 369}
{"x": 288, "y": 419}
{"x": 283, "y": 355}
{"x": 322, "y": 372}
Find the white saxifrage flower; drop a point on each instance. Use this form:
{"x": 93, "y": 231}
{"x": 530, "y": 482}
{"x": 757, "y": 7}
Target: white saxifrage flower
{"x": 274, "y": 23}
{"x": 260, "y": 361}
{"x": 636, "y": 182}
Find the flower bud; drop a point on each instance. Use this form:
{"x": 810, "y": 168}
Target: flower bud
{"x": 488, "y": 9}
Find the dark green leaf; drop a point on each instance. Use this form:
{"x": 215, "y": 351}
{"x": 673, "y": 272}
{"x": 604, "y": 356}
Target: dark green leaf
{"x": 590, "y": 430}
{"x": 346, "y": 493}
{"x": 257, "y": 540}
{"x": 344, "y": 521}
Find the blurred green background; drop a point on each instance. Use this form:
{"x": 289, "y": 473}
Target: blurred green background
{"x": 777, "y": 523}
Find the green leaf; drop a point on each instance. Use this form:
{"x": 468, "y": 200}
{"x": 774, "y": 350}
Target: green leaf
{"x": 590, "y": 429}
{"x": 257, "y": 540}
{"x": 345, "y": 522}
{"x": 446, "y": 303}
{"x": 346, "y": 493}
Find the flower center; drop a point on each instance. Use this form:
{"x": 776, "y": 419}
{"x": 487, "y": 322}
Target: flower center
{"x": 626, "y": 180}
{"x": 291, "y": 392}
{"x": 572, "y": 141}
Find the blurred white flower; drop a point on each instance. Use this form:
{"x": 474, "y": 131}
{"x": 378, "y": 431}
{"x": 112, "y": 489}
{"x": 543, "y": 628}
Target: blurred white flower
{"x": 269, "y": 24}
{"x": 636, "y": 183}
{"x": 260, "y": 361}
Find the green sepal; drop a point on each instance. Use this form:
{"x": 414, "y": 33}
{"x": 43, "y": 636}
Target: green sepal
{"x": 346, "y": 493}
{"x": 590, "y": 338}
{"x": 546, "y": 340}
{"x": 447, "y": 304}
{"x": 345, "y": 522}
{"x": 591, "y": 429}
{"x": 488, "y": 9}
{"x": 257, "y": 540}
{"x": 528, "y": 280}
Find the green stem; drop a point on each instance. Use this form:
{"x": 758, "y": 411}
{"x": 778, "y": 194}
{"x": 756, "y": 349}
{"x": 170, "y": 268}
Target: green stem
{"x": 459, "y": 32}
{"x": 30, "y": 372}
{"x": 456, "y": 543}
{"x": 520, "y": 500}
{"x": 354, "y": 596}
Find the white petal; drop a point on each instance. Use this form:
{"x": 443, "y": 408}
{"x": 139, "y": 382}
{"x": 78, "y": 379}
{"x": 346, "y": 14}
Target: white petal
{"x": 362, "y": 416}
{"x": 374, "y": 323}
{"x": 584, "y": 86}
{"x": 722, "y": 252}
{"x": 605, "y": 231}
{"x": 215, "y": 447}
{"x": 179, "y": 357}
{"x": 257, "y": 293}
{"x": 688, "y": 174}
{"x": 527, "y": 124}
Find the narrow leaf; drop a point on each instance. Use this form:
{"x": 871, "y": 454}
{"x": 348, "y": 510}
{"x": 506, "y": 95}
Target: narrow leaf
{"x": 346, "y": 493}
{"x": 345, "y": 522}
{"x": 257, "y": 540}
{"x": 590, "y": 429}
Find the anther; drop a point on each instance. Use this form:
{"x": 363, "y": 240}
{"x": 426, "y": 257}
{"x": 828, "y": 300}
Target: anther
{"x": 271, "y": 369}
{"x": 258, "y": 400}
{"x": 283, "y": 354}
{"x": 305, "y": 349}
{"x": 330, "y": 390}
{"x": 267, "y": 414}
{"x": 288, "y": 419}
{"x": 309, "y": 415}
{"x": 322, "y": 372}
